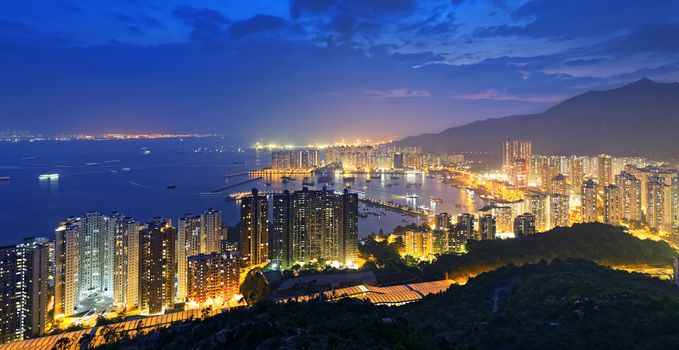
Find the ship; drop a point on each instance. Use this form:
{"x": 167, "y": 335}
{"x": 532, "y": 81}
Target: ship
{"x": 49, "y": 177}
{"x": 411, "y": 196}
{"x": 5, "y": 178}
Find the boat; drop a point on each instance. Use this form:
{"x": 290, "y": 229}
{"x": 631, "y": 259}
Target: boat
{"x": 367, "y": 188}
{"x": 239, "y": 162}
{"x": 411, "y": 196}
{"x": 285, "y": 180}
{"x": 5, "y": 178}
{"x": 437, "y": 200}
{"x": 147, "y": 152}
{"x": 114, "y": 171}
{"x": 30, "y": 158}
{"x": 49, "y": 177}
{"x": 92, "y": 164}
{"x": 308, "y": 183}
{"x": 431, "y": 176}
{"x": 112, "y": 161}
{"x": 267, "y": 184}
{"x": 394, "y": 177}
{"x": 171, "y": 186}
{"x": 126, "y": 169}
{"x": 368, "y": 180}
{"x": 375, "y": 176}
{"x": 349, "y": 178}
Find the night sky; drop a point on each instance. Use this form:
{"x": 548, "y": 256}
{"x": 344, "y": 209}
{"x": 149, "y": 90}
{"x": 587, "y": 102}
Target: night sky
{"x": 316, "y": 70}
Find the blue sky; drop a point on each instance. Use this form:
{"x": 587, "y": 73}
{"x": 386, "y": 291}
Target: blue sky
{"x": 316, "y": 70}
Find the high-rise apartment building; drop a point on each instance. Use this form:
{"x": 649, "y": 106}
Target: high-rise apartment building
{"x": 605, "y": 170}
{"x": 588, "y": 201}
{"x": 96, "y": 245}
{"x": 559, "y": 214}
{"x": 211, "y": 231}
{"x": 295, "y": 159}
{"x": 189, "y": 242}
{"x": 655, "y": 202}
{"x": 577, "y": 172}
{"x": 630, "y": 193}
{"x": 559, "y": 185}
{"x": 465, "y": 225}
{"x": 157, "y": 244}
{"x": 419, "y": 244}
{"x": 23, "y": 289}
{"x": 213, "y": 277}
{"x": 524, "y": 225}
{"x": 613, "y": 204}
{"x": 315, "y": 225}
{"x": 124, "y": 230}
{"x": 442, "y": 221}
{"x": 537, "y": 203}
{"x": 254, "y": 212}
{"x": 487, "y": 227}
{"x": 516, "y": 156}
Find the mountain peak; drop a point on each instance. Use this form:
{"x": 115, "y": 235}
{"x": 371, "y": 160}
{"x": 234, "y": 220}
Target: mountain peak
{"x": 644, "y": 81}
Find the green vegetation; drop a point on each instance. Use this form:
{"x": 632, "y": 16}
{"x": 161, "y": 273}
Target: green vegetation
{"x": 543, "y": 292}
{"x": 564, "y": 304}
{"x": 604, "y": 244}
{"x": 254, "y": 288}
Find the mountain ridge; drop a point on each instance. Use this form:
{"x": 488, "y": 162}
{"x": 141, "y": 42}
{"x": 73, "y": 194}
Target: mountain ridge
{"x": 597, "y": 121}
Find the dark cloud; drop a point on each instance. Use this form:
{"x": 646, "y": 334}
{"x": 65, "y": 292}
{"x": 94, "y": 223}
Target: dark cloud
{"x": 571, "y": 19}
{"x": 341, "y": 20}
{"x": 250, "y": 71}
{"x": 299, "y": 7}
{"x": 656, "y": 38}
{"x": 139, "y": 19}
{"x": 256, "y": 24}
{"x": 208, "y": 26}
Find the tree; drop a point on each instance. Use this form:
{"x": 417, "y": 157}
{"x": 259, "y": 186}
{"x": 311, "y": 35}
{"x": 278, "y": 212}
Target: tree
{"x": 254, "y": 289}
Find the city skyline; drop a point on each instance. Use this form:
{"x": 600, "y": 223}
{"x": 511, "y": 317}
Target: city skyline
{"x": 443, "y": 62}
{"x": 290, "y": 174}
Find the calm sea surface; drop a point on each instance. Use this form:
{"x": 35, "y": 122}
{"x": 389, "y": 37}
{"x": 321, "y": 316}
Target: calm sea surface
{"x": 132, "y": 177}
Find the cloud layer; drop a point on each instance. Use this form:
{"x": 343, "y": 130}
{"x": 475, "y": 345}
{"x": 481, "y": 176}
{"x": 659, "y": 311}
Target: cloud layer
{"x": 312, "y": 70}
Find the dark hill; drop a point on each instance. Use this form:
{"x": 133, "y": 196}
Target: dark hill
{"x": 572, "y": 304}
{"x": 641, "y": 118}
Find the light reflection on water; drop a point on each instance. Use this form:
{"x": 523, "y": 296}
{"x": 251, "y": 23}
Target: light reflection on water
{"x": 30, "y": 207}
